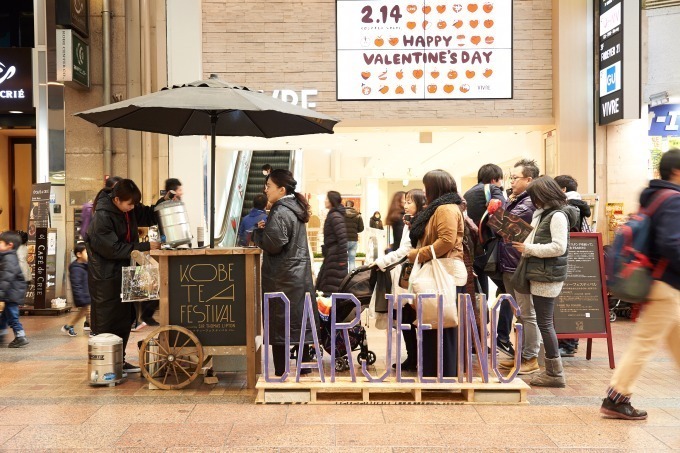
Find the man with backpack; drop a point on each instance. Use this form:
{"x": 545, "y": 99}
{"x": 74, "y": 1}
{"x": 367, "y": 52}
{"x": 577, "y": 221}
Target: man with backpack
{"x": 660, "y": 318}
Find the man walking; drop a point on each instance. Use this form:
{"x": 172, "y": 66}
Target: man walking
{"x": 355, "y": 225}
{"x": 660, "y": 317}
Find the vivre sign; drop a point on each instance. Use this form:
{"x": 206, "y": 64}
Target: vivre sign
{"x": 611, "y": 61}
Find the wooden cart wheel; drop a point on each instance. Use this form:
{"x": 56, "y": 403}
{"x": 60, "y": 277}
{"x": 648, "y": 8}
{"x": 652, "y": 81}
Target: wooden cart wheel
{"x": 171, "y": 357}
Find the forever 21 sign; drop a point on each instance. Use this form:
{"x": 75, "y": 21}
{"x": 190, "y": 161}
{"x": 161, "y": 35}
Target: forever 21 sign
{"x": 611, "y": 61}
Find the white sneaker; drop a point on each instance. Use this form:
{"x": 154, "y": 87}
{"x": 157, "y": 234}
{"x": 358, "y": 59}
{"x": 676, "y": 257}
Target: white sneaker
{"x": 139, "y": 327}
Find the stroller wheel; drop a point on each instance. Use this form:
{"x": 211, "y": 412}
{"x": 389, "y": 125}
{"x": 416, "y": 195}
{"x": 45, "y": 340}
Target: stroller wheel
{"x": 339, "y": 364}
{"x": 612, "y": 316}
{"x": 371, "y": 357}
{"x": 360, "y": 358}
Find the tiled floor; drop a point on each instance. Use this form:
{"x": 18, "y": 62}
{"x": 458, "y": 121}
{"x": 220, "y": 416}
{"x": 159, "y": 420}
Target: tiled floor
{"x": 46, "y": 403}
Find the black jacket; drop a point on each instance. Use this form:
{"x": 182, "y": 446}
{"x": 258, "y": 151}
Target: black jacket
{"x": 113, "y": 236}
{"x": 78, "y": 276}
{"x": 583, "y": 213}
{"x": 286, "y": 268}
{"x": 665, "y": 233}
{"x": 353, "y": 223}
{"x": 376, "y": 223}
{"x": 12, "y": 283}
{"x": 476, "y": 200}
{"x": 334, "y": 267}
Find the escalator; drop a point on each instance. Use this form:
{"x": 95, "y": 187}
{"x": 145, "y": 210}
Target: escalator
{"x": 246, "y": 181}
{"x": 277, "y": 159}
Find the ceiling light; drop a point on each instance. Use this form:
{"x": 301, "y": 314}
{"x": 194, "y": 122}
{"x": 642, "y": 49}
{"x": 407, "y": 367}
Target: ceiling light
{"x": 658, "y": 99}
{"x": 15, "y": 111}
{"x": 405, "y": 182}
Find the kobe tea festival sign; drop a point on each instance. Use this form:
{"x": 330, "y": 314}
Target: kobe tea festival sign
{"x": 400, "y": 49}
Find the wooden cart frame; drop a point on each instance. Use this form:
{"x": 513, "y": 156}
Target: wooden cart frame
{"x": 176, "y": 352}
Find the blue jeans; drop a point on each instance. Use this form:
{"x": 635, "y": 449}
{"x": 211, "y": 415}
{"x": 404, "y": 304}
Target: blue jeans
{"x": 10, "y": 316}
{"x": 352, "y": 252}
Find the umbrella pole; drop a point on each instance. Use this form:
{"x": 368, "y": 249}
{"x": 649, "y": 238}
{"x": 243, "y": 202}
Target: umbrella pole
{"x": 213, "y": 133}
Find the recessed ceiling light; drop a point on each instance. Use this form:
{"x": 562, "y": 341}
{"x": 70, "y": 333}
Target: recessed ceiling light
{"x": 15, "y": 111}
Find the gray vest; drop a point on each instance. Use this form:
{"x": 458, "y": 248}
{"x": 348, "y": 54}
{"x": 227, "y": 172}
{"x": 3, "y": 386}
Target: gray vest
{"x": 547, "y": 270}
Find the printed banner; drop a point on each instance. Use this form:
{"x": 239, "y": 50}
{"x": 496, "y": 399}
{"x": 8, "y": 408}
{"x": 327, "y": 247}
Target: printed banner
{"x": 399, "y": 49}
{"x": 38, "y": 222}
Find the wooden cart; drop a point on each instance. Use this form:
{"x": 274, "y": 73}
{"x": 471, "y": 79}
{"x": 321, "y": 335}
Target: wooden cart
{"x": 209, "y": 306}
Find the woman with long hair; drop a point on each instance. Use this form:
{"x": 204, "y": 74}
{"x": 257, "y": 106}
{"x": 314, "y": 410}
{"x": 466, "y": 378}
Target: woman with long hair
{"x": 414, "y": 204}
{"x": 376, "y": 221}
{"x": 112, "y": 237}
{"x": 286, "y": 264}
{"x": 395, "y": 217}
{"x": 441, "y": 226}
{"x": 545, "y": 252}
{"x": 335, "y": 256}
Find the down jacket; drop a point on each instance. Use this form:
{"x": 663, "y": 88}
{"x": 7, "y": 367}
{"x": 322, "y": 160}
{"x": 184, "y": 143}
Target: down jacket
{"x": 286, "y": 268}
{"x": 111, "y": 238}
{"x": 354, "y": 224}
{"x": 334, "y": 267}
{"x": 12, "y": 283}
{"x": 508, "y": 256}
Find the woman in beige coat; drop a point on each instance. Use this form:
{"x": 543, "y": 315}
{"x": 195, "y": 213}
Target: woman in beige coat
{"x": 441, "y": 226}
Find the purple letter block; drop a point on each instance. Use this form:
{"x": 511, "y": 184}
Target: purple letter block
{"x": 286, "y": 301}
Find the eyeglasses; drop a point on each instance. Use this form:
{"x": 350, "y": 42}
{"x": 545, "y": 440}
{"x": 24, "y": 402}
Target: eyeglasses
{"x": 515, "y": 178}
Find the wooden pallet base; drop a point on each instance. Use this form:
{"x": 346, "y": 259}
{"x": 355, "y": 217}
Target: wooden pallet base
{"x": 344, "y": 391}
{"x": 30, "y": 311}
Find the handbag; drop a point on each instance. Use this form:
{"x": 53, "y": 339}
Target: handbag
{"x": 405, "y": 274}
{"x": 519, "y": 278}
{"x": 436, "y": 276}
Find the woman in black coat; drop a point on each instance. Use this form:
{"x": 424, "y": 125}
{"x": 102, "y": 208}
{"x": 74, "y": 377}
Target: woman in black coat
{"x": 334, "y": 267}
{"x": 286, "y": 264}
{"x": 111, "y": 238}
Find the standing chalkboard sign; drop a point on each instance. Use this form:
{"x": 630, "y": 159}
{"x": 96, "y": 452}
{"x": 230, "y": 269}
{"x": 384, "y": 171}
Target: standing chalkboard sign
{"x": 208, "y": 297}
{"x": 582, "y": 309}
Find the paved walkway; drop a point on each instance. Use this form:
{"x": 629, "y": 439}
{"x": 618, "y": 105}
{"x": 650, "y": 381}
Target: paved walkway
{"x": 46, "y": 403}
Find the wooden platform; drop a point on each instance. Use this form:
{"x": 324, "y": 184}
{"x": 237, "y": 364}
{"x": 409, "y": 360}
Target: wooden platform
{"x": 344, "y": 391}
{"x": 30, "y": 311}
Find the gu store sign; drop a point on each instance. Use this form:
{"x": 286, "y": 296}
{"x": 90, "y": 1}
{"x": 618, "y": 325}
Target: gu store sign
{"x": 16, "y": 80}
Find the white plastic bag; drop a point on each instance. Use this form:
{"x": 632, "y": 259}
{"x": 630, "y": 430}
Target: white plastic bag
{"x": 437, "y": 277}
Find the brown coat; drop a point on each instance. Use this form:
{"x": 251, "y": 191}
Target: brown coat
{"x": 444, "y": 231}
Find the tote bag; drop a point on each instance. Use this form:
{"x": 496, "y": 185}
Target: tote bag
{"x": 436, "y": 276}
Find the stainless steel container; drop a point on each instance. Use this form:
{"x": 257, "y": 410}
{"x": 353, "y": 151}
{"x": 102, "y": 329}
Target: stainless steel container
{"x": 152, "y": 355}
{"x": 174, "y": 221}
{"x": 105, "y": 359}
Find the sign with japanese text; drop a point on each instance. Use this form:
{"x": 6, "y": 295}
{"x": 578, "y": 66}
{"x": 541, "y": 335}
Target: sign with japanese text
{"x": 38, "y": 224}
{"x": 664, "y": 120}
{"x": 400, "y": 49}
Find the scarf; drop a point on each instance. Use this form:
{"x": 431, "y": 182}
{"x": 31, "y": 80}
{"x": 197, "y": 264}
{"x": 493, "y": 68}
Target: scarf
{"x": 420, "y": 222}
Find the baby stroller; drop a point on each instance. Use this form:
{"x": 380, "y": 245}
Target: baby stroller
{"x": 357, "y": 282}
{"x": 617, "y": 307}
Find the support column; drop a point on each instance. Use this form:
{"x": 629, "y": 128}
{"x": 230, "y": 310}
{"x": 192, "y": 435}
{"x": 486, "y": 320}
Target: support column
{"x": 573, "y": 90}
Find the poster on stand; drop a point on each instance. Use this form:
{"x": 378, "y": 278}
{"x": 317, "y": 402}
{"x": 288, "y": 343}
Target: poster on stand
{"x": 38, "y": 223}
{"x": 401, "y": 49}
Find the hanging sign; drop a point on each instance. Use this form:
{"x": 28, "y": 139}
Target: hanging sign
{"x": 73, "y": 59}
{"x": 16, "y": 80}
{"x": 618, "y": 40}
{"x": 73, "y": 14}
{"x": 402, "y": 49}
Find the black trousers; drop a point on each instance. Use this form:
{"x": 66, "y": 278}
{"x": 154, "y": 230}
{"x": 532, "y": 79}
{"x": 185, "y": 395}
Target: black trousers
{"x": 148, "y": 309}
{"x": 449, "y": 352}
{"x": 408, "y": 316}
{"x": 280, "y": 355}
{"x": 108, "y": 314}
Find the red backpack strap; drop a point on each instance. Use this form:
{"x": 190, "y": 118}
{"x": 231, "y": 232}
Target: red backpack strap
{"x": 659, "y": 198}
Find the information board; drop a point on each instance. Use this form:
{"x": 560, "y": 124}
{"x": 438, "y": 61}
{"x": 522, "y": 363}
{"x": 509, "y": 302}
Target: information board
{"x": 399, "y": 49}
{"x": 37, "y": 230}
{"x": 208, "y": 297}
{"x": 582, "y": 307}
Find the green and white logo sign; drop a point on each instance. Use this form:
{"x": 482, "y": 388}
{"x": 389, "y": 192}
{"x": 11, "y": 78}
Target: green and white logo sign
{"x": 81, "y": 61}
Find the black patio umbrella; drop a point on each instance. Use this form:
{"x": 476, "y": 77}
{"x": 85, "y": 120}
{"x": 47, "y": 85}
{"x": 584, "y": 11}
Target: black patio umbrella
{"x": 211, "y": 107}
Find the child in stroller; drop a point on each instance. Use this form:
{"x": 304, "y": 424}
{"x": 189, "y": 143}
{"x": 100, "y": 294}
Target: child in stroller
{"x": 358, "y": 283}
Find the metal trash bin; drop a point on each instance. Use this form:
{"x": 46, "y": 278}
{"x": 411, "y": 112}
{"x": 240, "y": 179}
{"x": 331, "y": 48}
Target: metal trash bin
{"x": 105, "y": 359}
